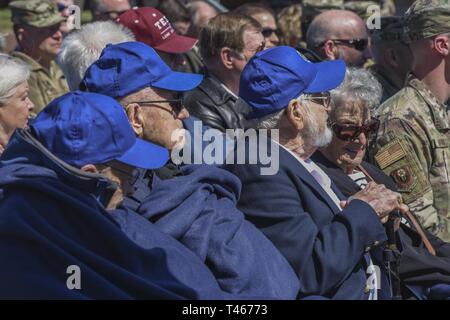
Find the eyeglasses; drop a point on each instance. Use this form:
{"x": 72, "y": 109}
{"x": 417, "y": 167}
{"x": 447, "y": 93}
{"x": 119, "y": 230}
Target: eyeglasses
{"x": 349, "y": 132}
{"x": 322, "y": 98}
{"x": 358, "y": 44}
{"x": 176, "y": 104}
{"x": 132, "y": 176}
{"x": 267, "y": 32}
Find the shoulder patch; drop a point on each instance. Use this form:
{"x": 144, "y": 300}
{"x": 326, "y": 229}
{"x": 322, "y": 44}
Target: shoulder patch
{"x": 390, "y": 153}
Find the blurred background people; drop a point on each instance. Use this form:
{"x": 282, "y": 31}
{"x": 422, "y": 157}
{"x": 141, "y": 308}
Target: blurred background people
{"x": 266, "y": 18}
{"x": 108, "y": 9}
{"x": 392, "y": 56}
{"x": 153, "y": 28}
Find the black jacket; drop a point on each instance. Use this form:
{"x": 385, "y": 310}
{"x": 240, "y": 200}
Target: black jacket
{"x": 417, "y": 265}
{"x": 214, "y": 105}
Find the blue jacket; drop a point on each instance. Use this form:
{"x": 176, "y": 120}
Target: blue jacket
{"x": 51, "y": 217}
{"x": 199, "y": 210}
{"x": 324, "y": 245}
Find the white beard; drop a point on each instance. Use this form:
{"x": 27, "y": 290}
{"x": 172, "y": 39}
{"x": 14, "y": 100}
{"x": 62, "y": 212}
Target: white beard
{"x": 316, "y": 136}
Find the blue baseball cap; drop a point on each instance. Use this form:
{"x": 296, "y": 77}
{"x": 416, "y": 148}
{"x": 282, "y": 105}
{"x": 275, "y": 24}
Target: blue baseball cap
{"x": 88, "y": 128}
{"x": 128, "y": 67}
{"x": 273, "y": 77}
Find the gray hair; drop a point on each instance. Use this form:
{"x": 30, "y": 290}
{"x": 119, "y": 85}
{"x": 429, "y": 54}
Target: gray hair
{"x": 13, "y": 72}
{"x": 83, "y": 47}
{"x": 359, "y": 85}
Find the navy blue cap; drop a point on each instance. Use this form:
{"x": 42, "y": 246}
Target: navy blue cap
{"x": 128, "y": 67}
{"x": 273, "y": 77}
{"x": 87, "y": 128}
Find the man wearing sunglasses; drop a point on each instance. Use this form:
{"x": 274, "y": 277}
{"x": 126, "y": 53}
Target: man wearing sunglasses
{"x": 327, "y": 241}
{"x": 415, "y": 121}
{"x": 196, "y": 204}
{"x": 266, "y": 18}
{"x": 339, "y": 34}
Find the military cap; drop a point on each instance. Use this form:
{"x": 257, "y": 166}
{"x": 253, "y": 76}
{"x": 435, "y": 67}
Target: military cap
{"x": 36, "y": 13}
{"x": 391, "y": 29}
{"x": 427, "y": 18}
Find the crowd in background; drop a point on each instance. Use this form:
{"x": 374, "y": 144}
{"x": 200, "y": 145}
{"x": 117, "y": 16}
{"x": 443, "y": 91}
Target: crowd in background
{"x": 355, "y": 114}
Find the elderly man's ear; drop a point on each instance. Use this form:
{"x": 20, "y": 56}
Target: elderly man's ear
{"x": 136, "y": 119}
{"x": 295, "y": 115}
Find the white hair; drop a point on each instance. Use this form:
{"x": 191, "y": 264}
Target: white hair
{"x": 359, "y": 85}
{"x": 83, "y": 47}
{"x": 13, "y": 72}
{"x": 312, "y": 134}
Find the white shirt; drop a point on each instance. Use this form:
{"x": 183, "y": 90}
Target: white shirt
{"x": 372, "y": 272}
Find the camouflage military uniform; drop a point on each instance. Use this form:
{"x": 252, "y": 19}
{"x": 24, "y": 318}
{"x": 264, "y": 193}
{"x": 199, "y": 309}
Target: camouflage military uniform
{"x": 45, "y": 84}
{"x": 413, "y": 143}
{"x": 413, "y": 147}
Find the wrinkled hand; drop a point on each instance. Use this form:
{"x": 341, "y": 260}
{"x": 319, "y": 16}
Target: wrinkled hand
{"x": 381, "y": 199}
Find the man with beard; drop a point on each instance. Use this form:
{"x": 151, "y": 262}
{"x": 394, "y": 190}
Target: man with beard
{"x": 326, "y": 240}
{"x": 37, "y": 25}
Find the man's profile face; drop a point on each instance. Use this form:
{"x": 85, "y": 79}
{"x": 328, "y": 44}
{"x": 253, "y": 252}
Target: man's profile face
{"x": 161, "y": 121}
{"x": 254, "y": 42}
{"x": 43, "y": 42}
{"x": 269, "y": 27}
{"x": 353, "y": 30}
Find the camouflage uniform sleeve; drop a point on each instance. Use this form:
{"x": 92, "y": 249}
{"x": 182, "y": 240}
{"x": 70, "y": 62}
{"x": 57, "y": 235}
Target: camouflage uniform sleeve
{"x": 403, "y": 153}
{"x": 35, "y": 94}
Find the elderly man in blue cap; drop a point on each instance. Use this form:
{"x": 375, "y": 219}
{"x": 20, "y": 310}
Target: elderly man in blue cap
{"x": 61, "y": 236}
{"x": 197, "y": 206}
{"x": 326, "y": 240}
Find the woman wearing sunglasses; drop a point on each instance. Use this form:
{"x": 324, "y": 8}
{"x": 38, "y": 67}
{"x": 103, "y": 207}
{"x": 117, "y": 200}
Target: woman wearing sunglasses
{"x": 343, "y": 161}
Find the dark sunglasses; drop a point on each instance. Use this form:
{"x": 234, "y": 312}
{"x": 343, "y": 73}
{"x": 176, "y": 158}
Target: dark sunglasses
{"x": 267, "y": 32}
{"x": 349, "y": 132}
{"x": 176, "y": 104}
{"x": 358, "y": 44}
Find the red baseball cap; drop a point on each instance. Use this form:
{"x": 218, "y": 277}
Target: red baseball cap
{"x": 153, "y": 28}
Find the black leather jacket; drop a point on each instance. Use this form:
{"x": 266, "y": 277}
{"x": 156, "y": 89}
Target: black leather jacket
{"x": 214, "y": 105}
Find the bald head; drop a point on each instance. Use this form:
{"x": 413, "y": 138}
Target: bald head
{"x": 334, "y": 24}
{"x": 338, "y": 25}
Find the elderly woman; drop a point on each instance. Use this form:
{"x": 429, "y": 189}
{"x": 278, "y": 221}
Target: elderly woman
{"x": 352, "y": 126}
{"x": 15, "y": 106}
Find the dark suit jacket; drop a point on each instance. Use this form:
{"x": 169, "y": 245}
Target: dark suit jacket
{"x": 417, "y": 265}
{"x": 324, "y": 245}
